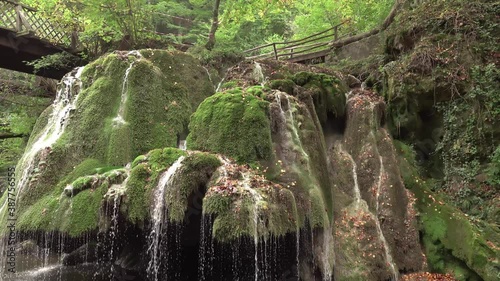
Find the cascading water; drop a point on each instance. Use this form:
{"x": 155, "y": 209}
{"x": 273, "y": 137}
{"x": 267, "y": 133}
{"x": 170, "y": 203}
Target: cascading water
{"x": 357, "y": 192}
{"x": 357, "y": 196}
{"x": 206, "y": 250}
{"x": 183, "y": 144}
{"x": 64, "y": 103}
{"x": 289, "y": 120}
{"x": 258, "y": 74}
{"x": 120, "y": 117}
{"x": 62, "y": 107}
{"x": 327, "y": 267}
{"x": 159, "y": 220}
{"x": 257, "y": 198}
{"x": 209, "y": 77}
{"x": 387, "y": 251}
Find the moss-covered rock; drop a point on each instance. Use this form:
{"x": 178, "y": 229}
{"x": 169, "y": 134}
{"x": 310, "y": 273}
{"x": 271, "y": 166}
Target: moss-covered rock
{"x": 153, "y": 92}
{"x": 244, "y": 203}
{"x": 234, "y": 123}
{"x": 197, "y": 168}
{"x": 454, "y": 243}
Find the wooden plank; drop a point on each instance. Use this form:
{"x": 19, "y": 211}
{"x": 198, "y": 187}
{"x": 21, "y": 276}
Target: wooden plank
{"x": 310, "y": 56}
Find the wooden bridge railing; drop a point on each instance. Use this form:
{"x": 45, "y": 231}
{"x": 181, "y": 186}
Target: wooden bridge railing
{"x": 286, "y": 50}
{"x": 24, "y": 20}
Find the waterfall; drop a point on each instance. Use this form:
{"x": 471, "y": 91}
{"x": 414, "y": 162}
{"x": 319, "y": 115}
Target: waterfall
{"x": 289, "y": 120}
{"x": 219, "y": 85}
{"x": 388, "y": 256}
{"x": 209, "y": 76}
{"x": 183, "y": 144}
{"x": 120, "y": 117}
{"x": 206, "y": 250}
{"x": 257, "y": 198}
{"x": 258, "y": 74}
{"x": 325, "y": 258}
{"x": 357, "y": 192}
{"x": 114, "y": 225}
{"x": 62, "y": 107}
{"x": 159, "y": 220}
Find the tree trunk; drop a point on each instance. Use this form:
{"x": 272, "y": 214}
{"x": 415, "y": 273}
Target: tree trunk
{"x": 10, "y": 136}
{"x": 215, "y": 24}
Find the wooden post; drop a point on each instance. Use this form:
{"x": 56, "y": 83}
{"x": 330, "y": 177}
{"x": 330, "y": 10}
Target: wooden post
{"x": 19, "y": 25}
{"x": 74, "y": 40}
{"x": 336, "y": 36}
{"x": 275, "y": 53}
{"x": 291, "y": 53}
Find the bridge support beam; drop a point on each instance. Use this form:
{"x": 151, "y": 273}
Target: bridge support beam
{"x": 16, "y": 50}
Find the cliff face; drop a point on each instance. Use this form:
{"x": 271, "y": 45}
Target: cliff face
{"x": 438, "y": 73}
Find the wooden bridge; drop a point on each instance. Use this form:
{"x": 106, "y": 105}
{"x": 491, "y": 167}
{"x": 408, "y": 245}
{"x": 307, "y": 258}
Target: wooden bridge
{"x": 311, "y": 49}
{"x": 25, "y": 36}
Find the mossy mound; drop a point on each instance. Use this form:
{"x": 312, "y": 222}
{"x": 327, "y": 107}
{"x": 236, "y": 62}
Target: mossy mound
{"x": 234, "y": 123}
{"x": 327, "y": 92}
{"x": 75, "y": 214}
{"x": 454, "y": 244}
{"x": 127, "y": 104}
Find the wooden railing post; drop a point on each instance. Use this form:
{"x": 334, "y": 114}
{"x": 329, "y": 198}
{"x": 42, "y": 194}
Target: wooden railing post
{"x": 19, "y": 25}
{"x": 22, "y": 21}
{"x": 335, "y": 32}
{"x": 275, "y": 53}
{"x": 291, "y": 53}
{"x": 74, "y": 40}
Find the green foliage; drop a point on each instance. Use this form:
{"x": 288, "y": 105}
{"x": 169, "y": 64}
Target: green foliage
{"x": 494, "y": 168}
{"x": 62, "y": 60}
{"x": 364, "y": 15}
{"x": 129, "y": 24}
{"x": 449, "y": 236}
{"x": 469, "y": 125}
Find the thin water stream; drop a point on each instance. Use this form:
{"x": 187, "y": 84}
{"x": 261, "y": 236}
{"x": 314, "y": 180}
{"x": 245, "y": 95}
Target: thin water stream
{"x": 159, "y": 220}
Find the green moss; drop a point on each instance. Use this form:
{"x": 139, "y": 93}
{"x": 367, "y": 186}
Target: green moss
{"x": 234, "y": 203}
{"x": 235, "y": 223}
{"x": 327, "y": 91}
{"x": 139, "y": 159}
{"x": 449, "y": 229}
{"x": 217, "y": 204}
{"x": 195, "y": 174}
{"x": 40, "y": 215}
{"x": 234, "y": 123}
{"x": 136, "y": 196}
{"x": 84, "y": 212}
{"x": 83, "y": 183}
{"x": 284, "y": 85}
{"x": 319, "y": 217}
{"x": 159, "y": 159}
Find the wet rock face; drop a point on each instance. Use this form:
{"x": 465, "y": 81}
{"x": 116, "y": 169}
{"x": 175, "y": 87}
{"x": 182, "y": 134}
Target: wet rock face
{"x": 385, "y": 211}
